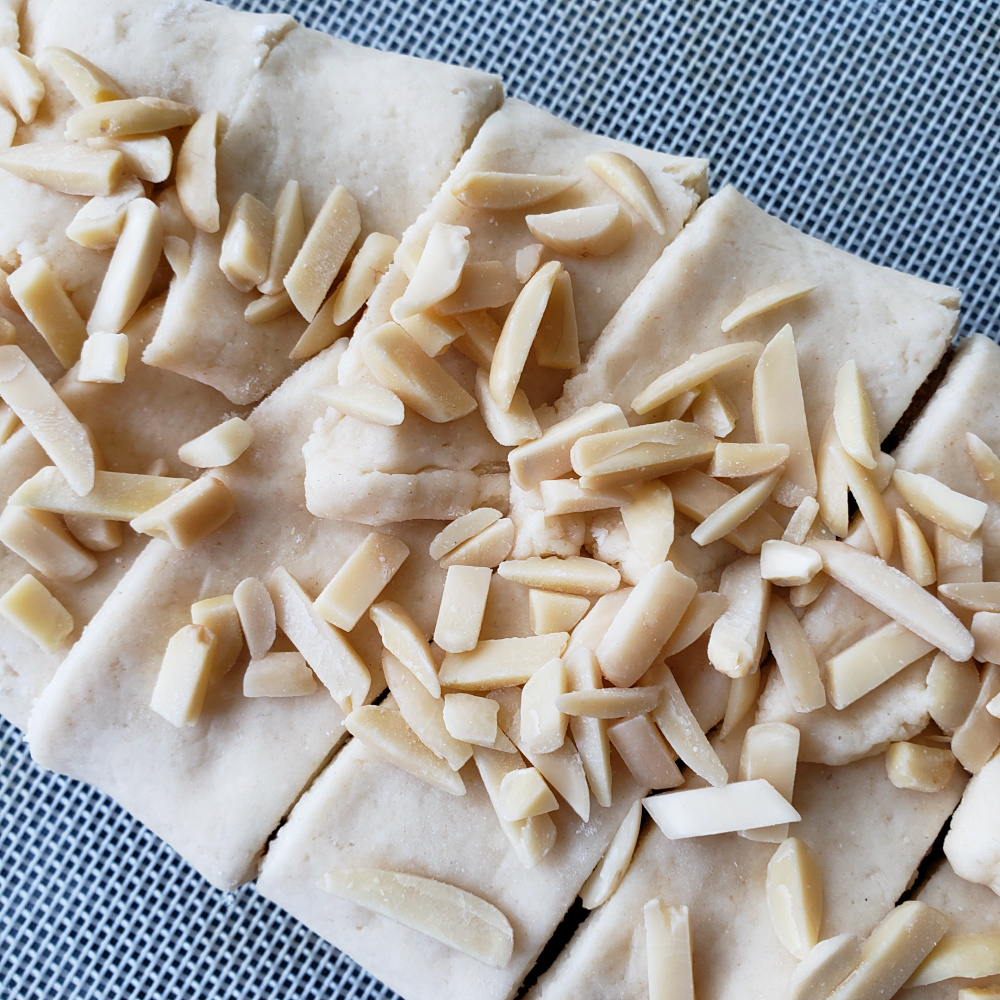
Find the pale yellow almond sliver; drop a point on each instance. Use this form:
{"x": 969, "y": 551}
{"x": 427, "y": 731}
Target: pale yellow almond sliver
{"x": 976, "y": 740}
{"x": 794, "y": 655}
{"x": 986, "y": 463}
{"x": 461, "y": 530}
{"x": 43, "y": 300}
{"x": 736, "y": 642}
{"x": 765, "y": 300}
{"x": 972, "y": 596}
{"x": 955, "y": 512}
{"x": 104, "y": 358}
{"x": 919, "y": 768}
{"x": 147, "y": 157}
{"x": 219, "y": 446}
{"x": 646, "y": 754}
{"x": 498, "y": 663}
{"x": 788, "y": 565}
{"x": 128, "y": 117}
{"x": 524, "y": 793}
{"x": 669, "y": 962}
{"x": 370, "y": 262}
{"x": 279, "y": 675}
{"x": 703, "y": 611}
{"x": 246, "y": 246}
{"x": 565, "y": 575}
{"x": 958, "y": 560}
{"x": 826, "y": 966}
{"x": 43, "y": 542}
{"x": 433, "y": 332}
{"x": 615, "y": 861}
{"x": 256, "y": 612}
{"x": 178, "y": 254}
{"x": 471, "y": 718}
{"x": 964, "y": 956}
{"x": 714, "y": 410}
{"x": 195, "y": 175}
{"x": 190, "y": 514}
{"x": 735, "y": 460}
{"x": 625, "y": 177}
{"x": 794, "y": 891}
{"x": 184, "y": 674}
{"x": 609, "y": 702}
{"x": 801, "y": 522}
{"x": 86, "y": 82}
{"x": 287, "y": 236}
{"x": 20, "y": 83}
{"x": 915, "y": 552}
{"x": 567, "y": 496}
{"x": 463, "y": 604}
{"x": 735, "y": 511}
{"x": 484, "y": 285}
{"x": 402, "y": 637}
{"x": 552, "y": 612}
{"x": 498, "y": 190}
{"x": 649, "y": 522}
{"x": 488, "y": 548}
{"x": 590, "y": 231}
{"x": 372, "y": 403}
{"x": 481, "y": 333}
{"x": 66, "y": 167}
{"x": 30, "y": 607}
{"x": 854, "y": 418}
{"x": 220, "y": 617}
{"x": 542, "y": 724}
{"x": 511, "y": 427}
{"x": 319, "y": 334}
{"x": 952, "y": 690}
{"x": 583, "y": 673}
{"x": 770, "y": 751}
{"x": 527, "y": 260}
{"x": 438, "y": 272}
{"x": 557, "y": 344}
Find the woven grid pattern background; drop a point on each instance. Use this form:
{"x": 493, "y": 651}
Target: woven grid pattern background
{"x": 873, "y": 124}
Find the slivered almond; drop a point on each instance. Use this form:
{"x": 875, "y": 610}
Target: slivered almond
{"x": 595, "y": 624}
{"x": 957, "y": 560}
{"x": 93, "y": 533}
{"x": 498, "y": 663}
{"x": 765, "y": 300}
{"x": 220, "y": 446}
{"x": 148, "y": 157}
{"x": 590, "y": 735}
{"x": 713, "y": 410}
{"x": 794, "y": 892}
{"x": 31, "y": 608}
{"x": 701, "y": 614}
{"x": 178, "y": 254}
{"x": 696, "y": 370}
{"x": 494, "y": 189}
{"x": 736, "y": 510}
{"x": 548, "y": 457}
{"x": 800, "y": 524}
{"x": 973, "y": 596}
{"x": 770, "y": 751}
{"x": 463, "y": 604}
{"x": 565, "y": 575}
{"x": 434, "y": 333}
{"x": 955, "y": 512}
{"x": 919, "y": 768}
{"x": 795, "y": 657}
{"x": 220, "y": 617}
{"x": 735, "y": 460}
{"x": 323, "y": 252}
{"x": 779, "y": 415}
{"x": 527, "y": 260}
{"x": 403, "y": 368}
{"x": 372, "y": 403}
{"x": 471, "y": 718}
{"x": 742, "y": 698}
{"x": 669, "y": 965}
{"x": 832, "y": 484}
{"x": 552, "y": 612}
{"x": 518, "y": 334}
{"x": 115, "y": 496}
{"x": 557, "y": 344}
{"x": 66, "y": 167}
{"x": 20, "y": 83}
{"x": 737, "y": 636}
{"x": 479, "y": 341}
{"x": 88, "y": 84}
{"x": 190, "y": 514}
{"x": 952, "y": 690}
{"x": 246, "y": 247}
{"x": 288, "y": 233}
{"x": 488, "y": 548}
{"x": 511, "y": 427}
{"x": 384, "y": 731}
{"x": 43, "y": 542}
{"x": 462, "y": 529}
{"x": 625, "y": 177}
{"x": 986, "y": 463}
{"x": 104, "y": 358}
{"x": 985, "y": 629}
{"x": 965, "y": 956}
{"x": 649, "y": 522}
{"x": 854, "y": 419}
{"x": 195, "y": 175}
{"x": 702, "y": 812}
{"x": 131, "y": 269}
{"x": 523, "y": 794}
{"x": 48, "y": 419}
{"x": 42, "y": 299}
{"x": 268, "y": 308}
{"x": 256, "y": 611}
{"x": 279, "y": 675}
{"x": 319, "y": 334}
{"x": 402, "y": 637}
{"x": 542, "y": 724}
{"x": 328, "y": 653}
{"x": 128, "y": 117}
{"x": 184, "y": 675}
{"x": 976, "y": 740}
{"x": 609, "y": 703}
{"x": 590, "y": 231}
{"x": 615, "y": 861}
{"x": 825, "y": 967}
{"x": 362, "y": 577}
{"x": 438, "y": 273}
{"x": 788, "y": 565}
{"x": 677, "y": 407}
{"x": 370, "y": 262}
{"x": 916, "y": 555}
{"x": 566, "y": 496}
{"x": 645, "y": 622}
{"x": 484, "y": 285}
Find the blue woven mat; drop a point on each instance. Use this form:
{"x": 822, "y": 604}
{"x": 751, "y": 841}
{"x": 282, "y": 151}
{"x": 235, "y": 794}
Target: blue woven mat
{"x": 874, "y": 125}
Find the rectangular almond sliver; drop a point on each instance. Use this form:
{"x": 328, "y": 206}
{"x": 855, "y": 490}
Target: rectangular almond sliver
{"x": 960, "y": 956}
{"x": 279, "y": 675}
{"x": 128, "y": 117}
{"x": 920, "y": 768}
{"x": 463, "y": 604}
{"x": 766, "y": 299}
{"x": 184, "y": 675}
{"x": 972, "y": 596}
{"x": 770, "y": 751}
{"x": 668, "y": 951}
{"x": 795, "y": 657}
{"x": 66, "y": 167}
{"x": 246, "y": 246}
{"x": 498, "y": 663}
{"x": 735, "y": 511}
{"x": 646, "y": 753}
{"x": 287, "y": 236}
{"x": 42, "y": 299}
{"x": 43, "y": 542}
{"x": 609, "y": 702}
{"x": 29, "y": 606}
{"x": 562, "y": 574}
{"x": 567, "y": 496}
{"x": 583, "y": 674}
{"x": 188, "y": 515}
{"x": 511, "y": 427}
{"x": 956, "y": 512}
{"x": 552, "y": 612}
{"x": 438, "y": 272}
{"x": 461, "y": 530}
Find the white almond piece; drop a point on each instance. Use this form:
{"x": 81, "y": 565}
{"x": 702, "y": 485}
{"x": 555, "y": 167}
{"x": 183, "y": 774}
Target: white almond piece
{"x": 370, "y": 262}
{"x": 48, "y": 419}
{"x": 795, "y": 658}
{"x": 439, "y": 270}
{"x": 523, "y": 794}
{"x": 471, "y": 718}
{"x": 919, "y": 768}
{"x": 527, "y": 260}
{"x": 195, "y": 175}
{"x": 985, "y": 629}
{"x": 794, "y": 888}
{"x": 20, "y": 83}
{"x": 184, "y": 675}
{"x": 190, "y": 514}
{"x": 893, "y": 951}
{"x": 104, "y": 358}
{"x": 443, "y": 912}
{"x": 771, "y": 751}
{"x": 669, "y": 965}
{"x": 727, "y": 518}
{"x": 43, "y": 542}
{"x": 488, "y": 548}
{"x": 972, "y": 596}
{"x": 825, "y": 967}
{"x": 287, "y": 236}
{"x": 590, "y": 231}
{"x": 952, "y": 690}
{"x": 384, "y": 731}
{"x": 128, "y": 117}
{"x": 88, "y": 84}
{"x": 498, "y": 190}
{"x": 742, "y": 698}
{"x": 737, "y": 639}
{"x": 615, "y": 861}
{"x": 986, "y": 463}
{"x": 714, "y": 410}
{"x": 609, "y": 703}
{"x": 461, "y": 530}
{"x": 44, "y": 302}
{"x": 499, "y": 663}
{"x": 960, "y": 956}
{"x": 626, "y": 178}
{"x": 433, "y": 333}
{"x": 402, "y": 637}
{"x": 831, "y": 482}
{"x": 562, "y": 574}
{"x": 511, "y": 427}
{"x": 268, "y": 308}
{"x": 463, "y": 604}
{"x": 323, "y": 252}
{"x": 220, "y": 446}
{"x": 552, "y": 612}
{"x": 328, "y": 653}
{"x": 702, "y": 613}
{"x": 557, "y": 344}
{"x": 66, "y": 167}
{"x": 765, "y": 300}
{"x": 362, "y": 577}
{"x": 256, "y": 610}
{"x": 955, "y": 512}
{"x": 731, "y": 461}
{"x": 246, "y": 246}
{"x": 976, "y": 740}
{"x": 958, "y": 560}
{"x": 897, "y": 596}
{"x": 800, "y": 524}
{"x": 914, "y": 550}
{"x": 779, "y": 415}
{"x": 703, "y": 812}
{"x": 220, "y": 617}
{"x": 115, "y": 496}
{"x": 30, "y": 607}
{"x": 696, "y": 370}
{"x": 548, "y": 457}
{"x": 279, "y": 675}
{"x": 94, "y": 534}
{"x": 649, "y": 522}
{"x": 868, "y": 494}
{"x": 788, "y": 565}
{"x": 131, "y": 270}
{"x": 854, "y": 418}
{"x": 373, "y": 403}
{"x": 543, "y": 725}
{"x": 149, "y": 157}
{"x": 484, "y": 285}
{"x": 399, "y": 364}
{"x": 644, "y": 624}
{"x": 590, "y": 735}
{"x": 646, "y": 754}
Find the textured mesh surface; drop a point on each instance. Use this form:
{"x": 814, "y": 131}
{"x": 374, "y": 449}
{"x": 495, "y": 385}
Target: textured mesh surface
{"x": 871, "y": 124}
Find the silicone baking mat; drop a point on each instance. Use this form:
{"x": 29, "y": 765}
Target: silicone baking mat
{"x": 874, "y": 125}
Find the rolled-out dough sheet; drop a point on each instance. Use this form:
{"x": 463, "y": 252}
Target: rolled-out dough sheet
{"x": 320, "y": 111}
{"x": 363, "y": 812}
{"x": 935, "y": 444}
{"x": 145, "y": 418}
{"x": 216, "y": 791}
{"x": 868, "y": 837}
{"x": 382, "y": 474}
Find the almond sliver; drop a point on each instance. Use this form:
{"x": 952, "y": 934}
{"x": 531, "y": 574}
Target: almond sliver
{"x": 854, "y": 418}
{"x": 372, "y": 403}
{"x": 669, "y": 965}
{"x": 770, "y": 751}
{"x": 986, "y": 463}
{"x": 128, "y": 117}
{"x": 88, "y": 84}
{"x": 287, "y": 236}
{"x": 973, "y": 596}
{"x": 195, "y": 173}
{"x": 794, "y": 892}
{"x": 626, "y": 178}
{"x": 438, "y": 272}
{"x": 735, "y": 511}
{"x": 765, "y": 300}
{"x": 565, "y": 575}
{"x": 614, "y": 863}
{"x": 20, "y": 83}
{"x": 590, "y": 231}
{"x": 915, "y": 552}
{"x": 497, "y": 190}
{"x": 402, "y": 637}
{"x": 370, "y": 262}
{"x": 66, "y": 167}
{"x": 736, "y": 460}
{"x": 498, "y": 663}
{"x": 955, "y": 512}
{"x": 42, "y": 299}
{"x": 461, "y": 530}
{"x": 795, "y": 657}
{"x": 609, "y": 703}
